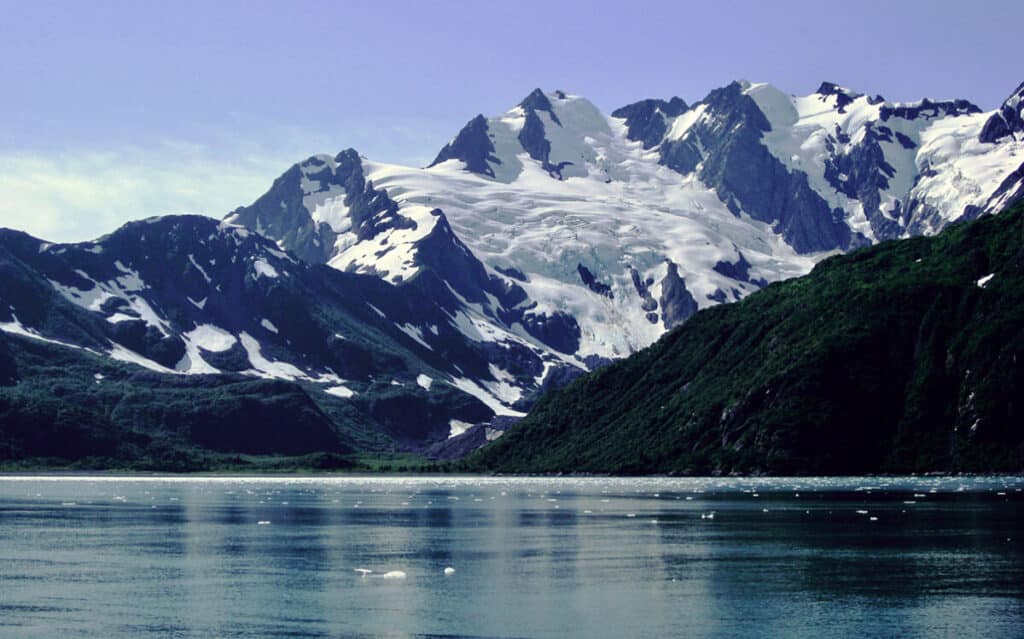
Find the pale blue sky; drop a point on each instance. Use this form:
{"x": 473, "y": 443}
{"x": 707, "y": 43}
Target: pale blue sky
{"x": 119, "y": 110}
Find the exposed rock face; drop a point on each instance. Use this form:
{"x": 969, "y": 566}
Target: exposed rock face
{"x": 643, "y": 289}
{"x": 646, "y": 120}
{"x": 591, "y": 282}
{"x": 863, "y": 172}
{"x": 677, "y": 303}
{"x": 533, "y": 136}
{"x": 1008, "y": 121}
{"x": 473, "y": 146}
{"x": 739, "y": 270}
{"x": 283, "y": 213}
{"x": 725, "y": 151}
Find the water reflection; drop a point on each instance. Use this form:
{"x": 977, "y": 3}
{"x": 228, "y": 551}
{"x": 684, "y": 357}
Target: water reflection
{"x": 541, "y": 558}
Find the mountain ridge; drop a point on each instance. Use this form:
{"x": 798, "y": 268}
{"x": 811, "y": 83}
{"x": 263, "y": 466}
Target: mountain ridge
{"x": 902, "y": 357}
{"x": 541, "y": 243}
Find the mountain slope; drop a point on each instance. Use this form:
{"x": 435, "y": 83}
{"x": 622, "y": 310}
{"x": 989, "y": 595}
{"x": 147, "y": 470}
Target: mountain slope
{"x": 908, "y": 356}
{"x": 187, "y": 303}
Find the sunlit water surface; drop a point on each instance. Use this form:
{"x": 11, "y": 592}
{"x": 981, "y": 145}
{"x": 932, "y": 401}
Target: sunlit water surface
{"x": 288, "y": 557}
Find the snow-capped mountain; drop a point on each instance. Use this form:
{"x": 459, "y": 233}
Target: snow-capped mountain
{"x": 538, "y": 244}
{"x": 186, "y": 296}
{"x": 627, "y": 224}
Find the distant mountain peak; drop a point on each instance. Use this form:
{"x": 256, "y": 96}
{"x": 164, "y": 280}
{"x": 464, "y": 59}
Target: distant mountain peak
{"x": 831, "y": 88}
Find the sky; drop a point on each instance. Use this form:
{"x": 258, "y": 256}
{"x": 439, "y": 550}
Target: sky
{"x": 114, "y": 111}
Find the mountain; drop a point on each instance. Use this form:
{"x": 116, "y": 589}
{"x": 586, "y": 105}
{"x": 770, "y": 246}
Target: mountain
{"x": 425, "y": 309}
{"x": 187, "y": 302}
{"x": 621, "y": 226}
{"x": 907, "y": 356}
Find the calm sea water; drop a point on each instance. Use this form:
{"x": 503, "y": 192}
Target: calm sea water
{"x": 286, "y": 557}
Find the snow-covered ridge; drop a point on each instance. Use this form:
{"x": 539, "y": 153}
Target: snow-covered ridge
{"x": 925, "y": 151}
{"x": 586, "y": 212}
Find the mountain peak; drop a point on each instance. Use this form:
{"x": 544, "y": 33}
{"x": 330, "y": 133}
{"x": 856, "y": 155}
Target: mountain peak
{"x": 831, "y": 88}
{"x": 539, "y": 101}
{"x": 473, "y": 146}
{"x": 1008, "y": 120}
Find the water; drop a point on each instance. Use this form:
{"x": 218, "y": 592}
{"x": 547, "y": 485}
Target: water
{"x": 189, "y": 557}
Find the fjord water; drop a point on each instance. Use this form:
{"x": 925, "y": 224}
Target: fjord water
{"x": 284, "y": 557}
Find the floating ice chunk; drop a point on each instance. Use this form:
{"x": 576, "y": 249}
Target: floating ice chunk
{"x": 984, "y": 280}
{"x": 710, "y": 515}
{"x": 449, "y": 571}
{"x": 263, "y": 522}
{"x": 394, "y": 574}
{"x": 363, "y": 571}
{"x": 862, "y": 512}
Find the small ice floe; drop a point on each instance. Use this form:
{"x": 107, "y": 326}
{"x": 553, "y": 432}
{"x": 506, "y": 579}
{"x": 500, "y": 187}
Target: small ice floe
{"x": 68, "y": 503}
{"x": 710, "y": 515}
{"x": 263, "y": 522}
{"x": 862, "y": 512}
{"x": 449, "y": 571}
{"x": 588, "y": 512}
{"x": 873, "y": 518}
{"x": 394, "y": 574}
{"x": 764, "y": 510}
{"x": 981, "y": 282}
{"x": 363, "y": 571}
{"x": 630, "y": 515}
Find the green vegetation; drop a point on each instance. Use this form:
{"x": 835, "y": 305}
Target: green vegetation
{"x": 889, "y": 359}
{"x": 66, "y": 408}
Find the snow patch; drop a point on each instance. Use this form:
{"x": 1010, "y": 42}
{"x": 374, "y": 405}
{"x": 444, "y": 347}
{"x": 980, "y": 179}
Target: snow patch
{"x": 263, "y": 367}
{"x": 340, "y": 391}
{"x": 456, "y": 428}
{"x": 263, "y": 268}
